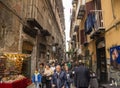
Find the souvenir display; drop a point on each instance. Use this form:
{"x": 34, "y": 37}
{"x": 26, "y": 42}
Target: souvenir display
{"x": 11, "y": 67}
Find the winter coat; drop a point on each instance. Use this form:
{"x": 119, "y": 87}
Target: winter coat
{"x": 39, "y": 77}
{"x": 82, "y": 77}
{"x": 62, "y": 77}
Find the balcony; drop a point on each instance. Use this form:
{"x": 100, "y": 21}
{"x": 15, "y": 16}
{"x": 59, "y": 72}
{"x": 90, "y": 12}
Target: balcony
{"x": 33, "y": 21}
{"x": 80, "y": 9}
{"x": 99, "y": 24}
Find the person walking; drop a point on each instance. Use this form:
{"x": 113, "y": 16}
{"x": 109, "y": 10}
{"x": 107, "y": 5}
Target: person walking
{"x": 41, "y": 68}
{"x": 76, "y": 65}
{"x": 59, "y": 78}
{"x": 82, "y": 76}
{"x": 48, "y": 75}
{"x": 36, "y": 78}
{"x": 53, "y": 66}
{"x": 93, "y": 80}
{"x": 41, "y": 71}
{"x": 69, "y": 77}
{"x": 69, "y": 65}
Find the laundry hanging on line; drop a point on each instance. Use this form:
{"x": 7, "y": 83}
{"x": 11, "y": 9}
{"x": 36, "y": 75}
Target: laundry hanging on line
{"x": 89, "y": 23}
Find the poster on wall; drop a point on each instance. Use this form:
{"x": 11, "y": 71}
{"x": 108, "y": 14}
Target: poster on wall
{"x": 115, "y": 57}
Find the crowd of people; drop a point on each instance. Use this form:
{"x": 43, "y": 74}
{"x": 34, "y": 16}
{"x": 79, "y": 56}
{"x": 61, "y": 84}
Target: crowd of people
{"x": 62, "y": 75}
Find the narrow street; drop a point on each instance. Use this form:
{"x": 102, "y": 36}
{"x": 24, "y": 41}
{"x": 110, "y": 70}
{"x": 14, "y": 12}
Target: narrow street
{"x": 56, "y": 43}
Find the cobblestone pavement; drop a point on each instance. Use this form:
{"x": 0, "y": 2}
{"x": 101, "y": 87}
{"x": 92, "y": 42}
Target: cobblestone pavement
{"x": 32, "y": 86}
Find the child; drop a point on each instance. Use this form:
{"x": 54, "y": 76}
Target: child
{"x": 36, "y": 78}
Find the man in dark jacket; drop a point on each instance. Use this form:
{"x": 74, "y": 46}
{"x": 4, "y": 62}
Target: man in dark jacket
{"x": 82, "y": 77}
{"x": 59, "y": 78}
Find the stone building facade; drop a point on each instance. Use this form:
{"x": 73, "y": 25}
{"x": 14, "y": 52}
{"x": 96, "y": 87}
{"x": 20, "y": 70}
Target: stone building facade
{"x": 32, "y": 27}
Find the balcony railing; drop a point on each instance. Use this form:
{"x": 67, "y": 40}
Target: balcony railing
{"x": 80, "y": 9}
{"x": 99, "y": 23}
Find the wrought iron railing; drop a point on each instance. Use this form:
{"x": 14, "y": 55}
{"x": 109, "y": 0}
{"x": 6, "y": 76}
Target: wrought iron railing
{"x": 99, "y": 23}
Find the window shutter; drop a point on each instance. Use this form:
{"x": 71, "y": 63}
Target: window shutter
{"x": 83, "y": 39}
{"x": 90, "y": 6}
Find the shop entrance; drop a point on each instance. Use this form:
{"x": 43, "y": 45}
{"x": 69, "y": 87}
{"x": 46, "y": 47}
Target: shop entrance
{"x": 27, "y": 48}
{"x": 26, "y": 67}
{"x": 101, "y": 60}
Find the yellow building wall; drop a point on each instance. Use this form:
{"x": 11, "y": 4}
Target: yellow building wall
{"x": 107, "y": 12}
{"x": 117, "y": 9}
{"x": 92, "y": 48}
{"x": 112, "y": 36}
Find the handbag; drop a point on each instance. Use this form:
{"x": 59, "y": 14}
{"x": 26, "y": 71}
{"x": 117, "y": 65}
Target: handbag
{"x": 48, "y": 77}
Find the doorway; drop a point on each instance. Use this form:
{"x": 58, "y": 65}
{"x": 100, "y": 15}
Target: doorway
{"x": 101, "y": 60}
{"x": 26, "y": 67}
{"x": 27, "y": 48}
